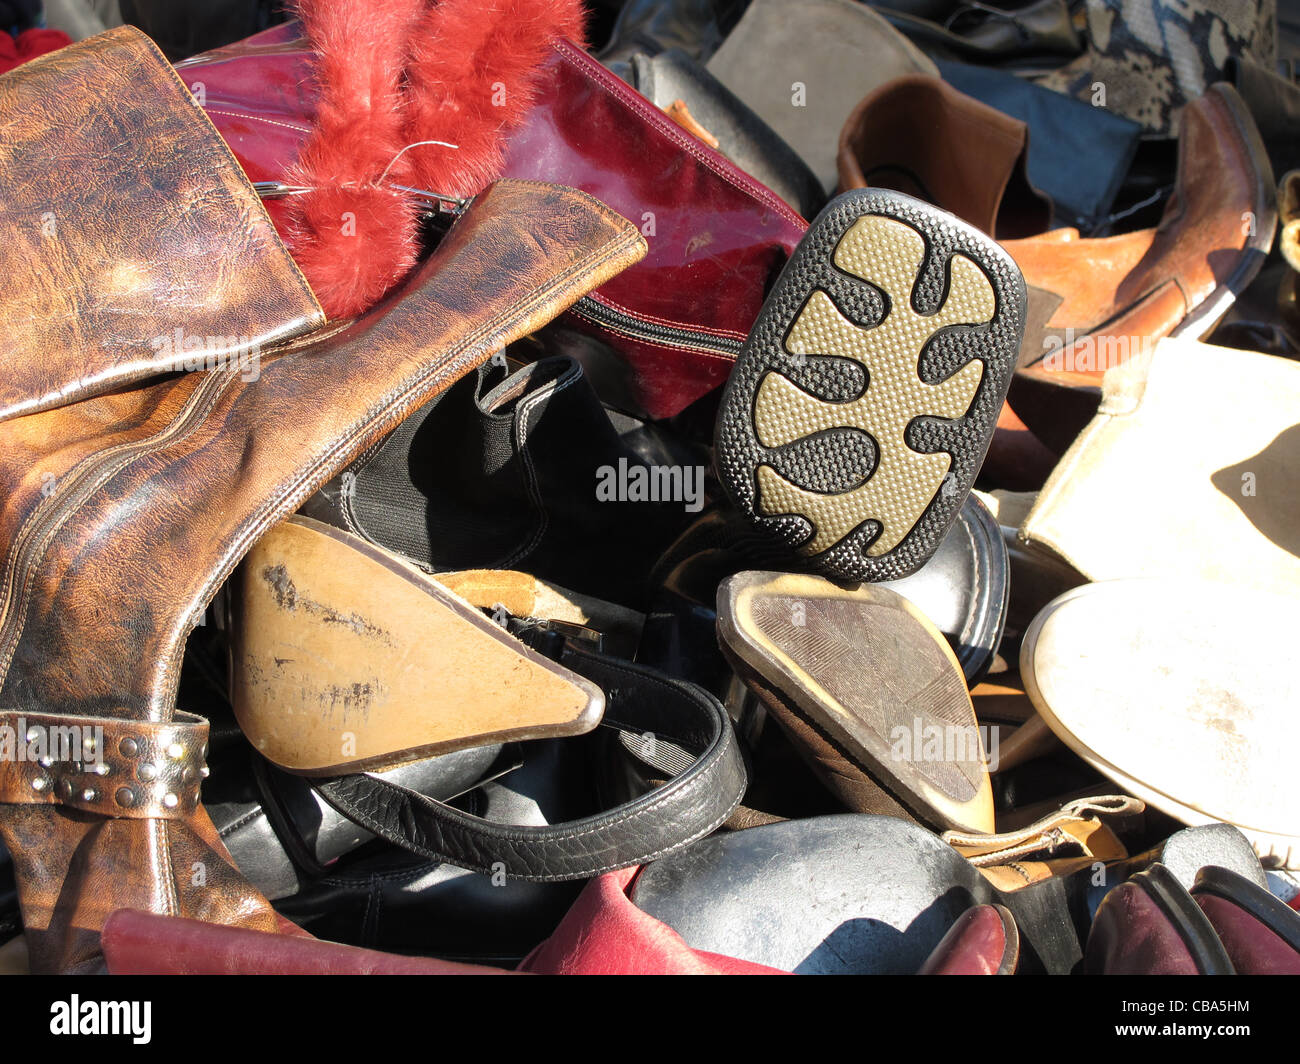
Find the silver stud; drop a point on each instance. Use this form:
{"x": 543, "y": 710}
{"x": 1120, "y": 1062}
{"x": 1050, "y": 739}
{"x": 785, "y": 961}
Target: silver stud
{"x": 170, "y": 800}
{"x": 205, "y": 772}
{"x": 128, "y": 748}
{"x": 89, "y": 794}
{"x": 175, "y": 750}
{"x": 101, "y": 769}
{"x": 125, "y": 797}
{"x": 147, "y": 772}
{"x": 40, "y": 783}
{"x": 45, "y": 762}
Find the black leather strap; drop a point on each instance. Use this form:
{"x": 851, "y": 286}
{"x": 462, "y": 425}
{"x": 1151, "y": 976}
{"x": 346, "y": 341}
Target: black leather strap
{"x": 686, "y": 808}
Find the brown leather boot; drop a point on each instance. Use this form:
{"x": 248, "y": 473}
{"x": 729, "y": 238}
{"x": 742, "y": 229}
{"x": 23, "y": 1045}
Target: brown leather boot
{"x": 1095, "y": 303}
{"x": 917, "y": 134}
{"x": 156, "y": 495}
{"x": 134, "y": 245}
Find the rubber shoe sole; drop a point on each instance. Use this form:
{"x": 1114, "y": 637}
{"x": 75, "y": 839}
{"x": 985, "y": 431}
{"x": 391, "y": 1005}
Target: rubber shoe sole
{"x": 864, "y": 400}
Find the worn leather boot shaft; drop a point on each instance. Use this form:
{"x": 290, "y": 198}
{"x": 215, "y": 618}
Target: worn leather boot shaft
{"x": 156, "y": 496}
{"x": 919, "y": 135}
{"x": 132, "y": 243}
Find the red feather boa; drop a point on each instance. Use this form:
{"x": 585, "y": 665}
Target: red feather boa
{"x": 392, "y": 74}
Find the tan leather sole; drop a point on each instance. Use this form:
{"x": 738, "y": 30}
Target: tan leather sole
{"x": 870, "y": 671}
{"x": 347, "y": 658}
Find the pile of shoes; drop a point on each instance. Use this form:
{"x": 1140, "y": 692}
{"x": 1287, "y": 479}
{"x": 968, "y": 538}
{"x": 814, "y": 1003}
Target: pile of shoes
{"x": 661, "y": 486}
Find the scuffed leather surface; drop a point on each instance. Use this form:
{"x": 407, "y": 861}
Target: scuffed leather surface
{"x": 1253, "y": 947}
{"x": 1259, "y": 932}
{"x": 983, "y": 941}
{"x": 98, "y": 615}
{"x": 1151, "y": 925}
{"x": 260, "y": 447}
{"x": 1143, "y": 284}
{"x": 73, "y": 869}
{"x": 1131, "y": 936}
{"x": 125, "y": 218}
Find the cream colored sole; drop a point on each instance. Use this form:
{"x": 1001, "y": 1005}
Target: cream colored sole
{"x": 1184, "y": 694}
{"x": 347, "y": 658}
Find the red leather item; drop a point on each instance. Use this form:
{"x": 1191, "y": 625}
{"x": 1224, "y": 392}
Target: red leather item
{"x": 983, "y": 941}
{"x": 1131, "y": 935}
{"x": 1252, "y": 946}
{"x": 605, "y": 934}
{"x": 28, "y": 45}
{"x": 137, "y": 943}
{"x": 717, "y": 237}
{"x": 602, "y": 934}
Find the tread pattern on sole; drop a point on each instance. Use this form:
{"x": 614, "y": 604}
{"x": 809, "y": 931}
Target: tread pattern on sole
{"x": 865, "y": 398}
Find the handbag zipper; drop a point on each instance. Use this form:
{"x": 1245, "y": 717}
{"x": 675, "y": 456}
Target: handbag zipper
{"x": 593, "y": 310}
{"x": 587, "y": 308}
{"x": 78, "y": 486}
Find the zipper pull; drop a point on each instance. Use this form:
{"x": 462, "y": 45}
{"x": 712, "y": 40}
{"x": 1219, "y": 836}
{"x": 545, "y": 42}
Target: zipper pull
{"x": 436, "y": 201}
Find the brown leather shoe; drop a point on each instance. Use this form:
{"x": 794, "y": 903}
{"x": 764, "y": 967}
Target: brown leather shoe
{"x": 914, "y": 134}
{"x": 917, "y": 134}
{"x": 156, "y": 495}
{"x": 133, "y": 244}
{"x": 1094, "y": 303}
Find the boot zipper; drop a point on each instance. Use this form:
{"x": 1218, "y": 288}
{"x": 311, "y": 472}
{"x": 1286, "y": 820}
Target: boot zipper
{"x": 598, "y": 313}
{"x": 77, "y": 487}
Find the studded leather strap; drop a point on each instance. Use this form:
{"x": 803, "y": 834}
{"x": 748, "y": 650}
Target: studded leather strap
{"x": 104, "y": 765}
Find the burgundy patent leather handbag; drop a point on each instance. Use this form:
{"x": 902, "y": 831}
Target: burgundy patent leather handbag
{"x": 717, "y": 237}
